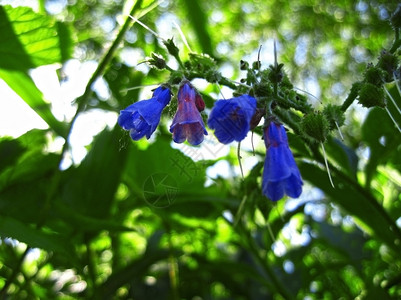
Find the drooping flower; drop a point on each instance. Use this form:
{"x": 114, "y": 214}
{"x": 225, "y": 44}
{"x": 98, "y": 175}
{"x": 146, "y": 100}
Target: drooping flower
{"x": 231, "y": 118}
{"x": 142, "y": 117}
{"x": 187, "y": 123}
{"x": 280, "y": 175}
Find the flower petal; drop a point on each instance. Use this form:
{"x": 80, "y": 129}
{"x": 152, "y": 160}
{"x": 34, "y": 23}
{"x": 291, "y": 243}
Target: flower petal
{"x": 293, "y": 186}
{"x": 273, "y": 190}
{"x": 195, "y": 133}
{"x": 136, "y": 135}
{"x": 187, "y": 123}
{"x": 231, "y": 118}
{"x": 280, "y": 175}
{"x": 276, "y": 167}
{"x": 142, "y": 117}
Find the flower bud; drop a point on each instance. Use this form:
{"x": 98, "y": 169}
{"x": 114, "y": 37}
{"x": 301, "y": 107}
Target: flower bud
{"x": 157, "y": 61}
{"x": 388, "y": 62}
{"x": 316, "y": 126}
{"x": 276, "y": 74}
{"x": 257, "y": 116}
{"x": 256, "y": 65}
{"x": 374, "y": 75}
{"x": 243, "y": 65}
{"x": 171, "y": 47}
{"x": 200, "y": 104}
{"x": 371, "y": 95}
{"x": 334, "y": 114}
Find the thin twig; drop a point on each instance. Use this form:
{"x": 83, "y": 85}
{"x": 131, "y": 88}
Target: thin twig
{"x": 339, "y": 130}
{"x": 327, "y": 165}
{"x": 392, "y": 118}
{"x": 239, "y": 159}
{"x": 392, "y": 99}
{"x": 182, "y": 36}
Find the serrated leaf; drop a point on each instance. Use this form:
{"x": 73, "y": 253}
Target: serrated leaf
{"x": 29, "y": 39}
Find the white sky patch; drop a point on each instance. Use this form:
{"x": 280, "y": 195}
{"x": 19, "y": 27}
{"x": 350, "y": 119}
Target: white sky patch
{"x": 86, "y": 126}
{"x": 398, "y": 222}
{"x": 266, "y": 53}
{"x": 165, "y": 26}
{"x": 134, "y": 58}
{"x": 102, "y": 89}
{"x": 16, "y": 117}
{"x": 15, "y": 3}
{"x": 279, "y": 248}
{"x": 227, "y": 70}
{"x": 312, "y": 86}
{"x": 55, "y": 7}
{"x": 50, "y": 87}
{"x": 219, "y": 169}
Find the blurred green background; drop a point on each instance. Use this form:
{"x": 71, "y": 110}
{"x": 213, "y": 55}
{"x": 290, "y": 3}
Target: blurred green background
{"x": 109, "y": 218}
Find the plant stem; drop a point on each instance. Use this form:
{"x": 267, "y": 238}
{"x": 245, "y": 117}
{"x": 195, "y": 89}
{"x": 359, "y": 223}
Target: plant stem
{"x": 173, "y": 268}
{"x": 82, "y": 101}
{"x": 252, "y": 247}
{"x": 92, "y": 272}
{"x": 397, "y": 41}
{"x": 351, "y": 97}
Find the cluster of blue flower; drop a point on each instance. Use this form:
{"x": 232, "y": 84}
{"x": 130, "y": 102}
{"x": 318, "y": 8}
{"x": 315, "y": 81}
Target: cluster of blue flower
{"x": 231, "y": 121}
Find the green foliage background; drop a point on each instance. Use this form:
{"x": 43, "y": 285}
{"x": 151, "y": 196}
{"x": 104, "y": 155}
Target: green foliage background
{"x": 97, "y": 236}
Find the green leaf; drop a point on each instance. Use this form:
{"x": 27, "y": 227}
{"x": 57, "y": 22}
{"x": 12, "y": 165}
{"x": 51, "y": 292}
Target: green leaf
{"x": 10, "y": 227}
{"x": 383, "y": 139}
{"x": 24, "y": 86}
{"x": 198, "y": 18}
{"x": 29, "y": 39}
{"x": 25, "y": 184}
{"x": 345, "y": 157}
{"x": 347, "y": 243}
{"x": 24, "y": 188}
{"x": 169, "y": 181}
{"x": 357, "y": 200}
{"x": 90, "y": 188}
{"x": 85, "y": 223}
{"x": 10, "y": 151}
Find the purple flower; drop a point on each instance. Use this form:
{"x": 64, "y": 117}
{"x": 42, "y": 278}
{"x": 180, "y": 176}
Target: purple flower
{"x": 231, "y": 118}
{"x": 280, "y": 175}
{"x": 142, "y": 117}
{"x": 187, "y": 123}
